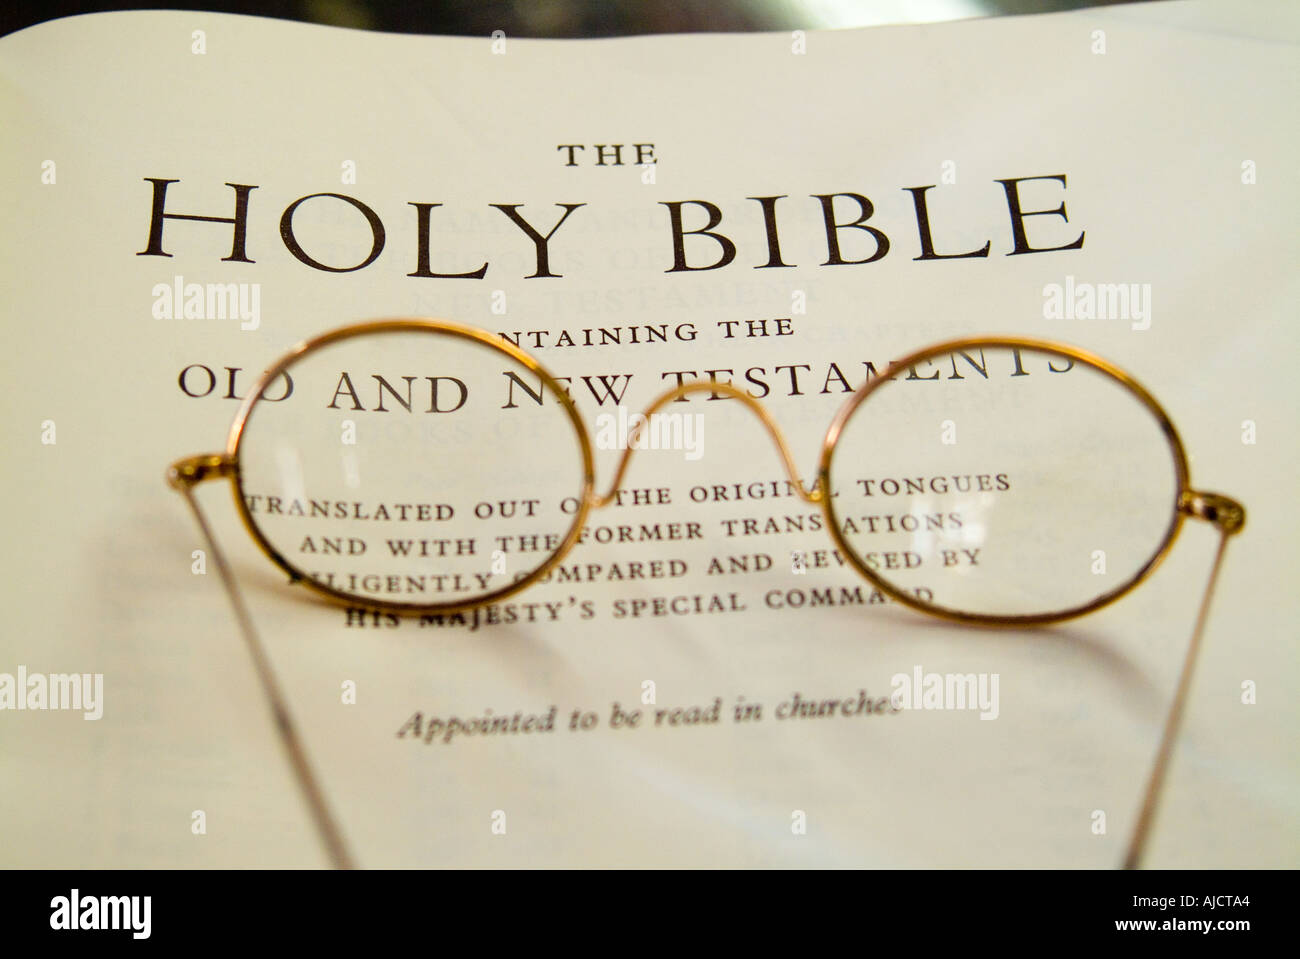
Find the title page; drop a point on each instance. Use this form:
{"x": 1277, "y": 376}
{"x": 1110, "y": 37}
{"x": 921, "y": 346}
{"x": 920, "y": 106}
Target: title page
{"x": 787, "y": 212}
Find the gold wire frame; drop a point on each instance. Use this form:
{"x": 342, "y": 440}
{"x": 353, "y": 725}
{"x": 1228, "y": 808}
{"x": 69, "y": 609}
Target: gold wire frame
{"x": 1225, "y": 514}
{"x": 1177, "y": 452}
{"x": 1188, "y": 502}
{"x": 413, "y": 326}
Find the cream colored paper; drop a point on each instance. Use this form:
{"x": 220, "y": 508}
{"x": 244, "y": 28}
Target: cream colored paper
{"x": 1156, "y": 136}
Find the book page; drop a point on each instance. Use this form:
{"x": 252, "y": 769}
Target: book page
{"x": 703, "y": 680}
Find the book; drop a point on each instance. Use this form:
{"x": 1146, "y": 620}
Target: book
{"x": 191, "y": 194}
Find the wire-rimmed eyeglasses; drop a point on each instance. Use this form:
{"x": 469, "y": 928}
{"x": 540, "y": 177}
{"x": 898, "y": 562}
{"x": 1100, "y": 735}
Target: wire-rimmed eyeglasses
{"x": 419, "y": 465}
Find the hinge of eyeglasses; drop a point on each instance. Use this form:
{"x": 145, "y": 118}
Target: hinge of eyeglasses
{"x": 193, "y": 470}
{"x": 1223, "y": 511}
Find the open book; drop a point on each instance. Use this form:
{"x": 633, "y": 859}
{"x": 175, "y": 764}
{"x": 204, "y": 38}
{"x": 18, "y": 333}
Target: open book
{"x": 190, "y": 195}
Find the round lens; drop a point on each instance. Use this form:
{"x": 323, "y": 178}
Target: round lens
{"x": 999, "y": 482}
{"x": 404, "y": 466}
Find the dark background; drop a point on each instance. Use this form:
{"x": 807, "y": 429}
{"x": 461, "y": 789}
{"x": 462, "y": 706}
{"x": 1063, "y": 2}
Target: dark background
{"x": 571, "y": 18}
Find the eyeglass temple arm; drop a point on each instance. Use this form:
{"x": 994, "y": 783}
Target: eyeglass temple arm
{"x": 183, "y": 476}
{"x": 716, "y": 389}
{"x": 1228, "y": 517}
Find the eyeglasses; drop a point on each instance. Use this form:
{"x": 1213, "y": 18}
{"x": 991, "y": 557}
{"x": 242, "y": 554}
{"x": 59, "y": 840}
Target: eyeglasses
{"x": 423, "y": 466}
